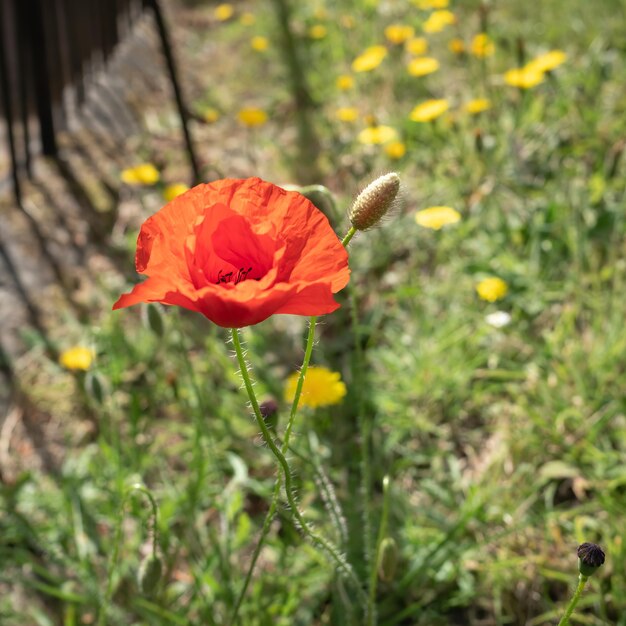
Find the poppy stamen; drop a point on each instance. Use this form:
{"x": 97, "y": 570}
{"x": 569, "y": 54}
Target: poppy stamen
{"x": 240, "y": 276}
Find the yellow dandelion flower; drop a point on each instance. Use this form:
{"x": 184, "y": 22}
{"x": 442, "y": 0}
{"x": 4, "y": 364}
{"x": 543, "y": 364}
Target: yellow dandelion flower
{"x": 344, "y": 82}
{"x": 77, "y": 358}
{"x": 322, "y": 387}
{"x": 416, "y": 45}
{"x": 260, "y": 43}
{"x": 347, "y": 114}
{"x": 376, "y": 135}
{"x": 456, "y": 46}
{"x": 320, "y": 13}
{"x": 429, "y": 110}
{"x": 223, "y": 12}
{"x": 438, "y": 20}
{"x": 478, "y": 105}
{"x": 482, "y": 46}
{"x": 436, "y": 217}
{"x": 395, "y": 150}
{"x": 318, "y": 31}
{"x": 431, "y": 4}
{"x": 422, "y": 66}
{"x": 141, "y": 175}
{"x": 491, "y": 289}
{"x": 210, "y": 115}
{"x": 370, "y": 59}
{"x": 548, "y": 61}
{"x": 523, "y": 77}
{"x": 252, "y": 116}
{"x": 174, "y": 190}
{"x": 399, "y": 33}
{"x": 247, "y": 18}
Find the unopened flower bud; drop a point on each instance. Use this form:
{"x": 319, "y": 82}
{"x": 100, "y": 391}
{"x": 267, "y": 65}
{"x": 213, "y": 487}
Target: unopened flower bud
{"x": 590, "y": 558}
{"x": 95, "y": 387}
{"x": 374, "y": 201}
{"x": 269, "y": 412}
{"x": 153, "y": 319}
{"x": 149, "y": 574}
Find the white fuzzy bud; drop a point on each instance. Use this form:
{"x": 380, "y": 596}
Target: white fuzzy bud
{"x": 374, "y": 201}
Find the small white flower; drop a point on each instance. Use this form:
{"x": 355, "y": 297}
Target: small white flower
{"x": 499, "y": 319}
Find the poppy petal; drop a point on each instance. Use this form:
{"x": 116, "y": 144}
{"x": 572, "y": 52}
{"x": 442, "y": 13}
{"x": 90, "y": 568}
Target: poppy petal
{"x": 155, "y": 290}
{"x": 311, "y": 300}
{"x": 239, "y": 251}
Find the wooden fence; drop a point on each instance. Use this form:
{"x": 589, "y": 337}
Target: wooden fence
{"x": 50, "y": 50}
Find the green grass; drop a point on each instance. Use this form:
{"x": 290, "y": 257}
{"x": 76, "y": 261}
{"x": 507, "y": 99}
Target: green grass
{"x": 505, "y": 447}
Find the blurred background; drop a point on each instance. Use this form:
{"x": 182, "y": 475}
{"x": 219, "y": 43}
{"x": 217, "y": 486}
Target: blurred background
{"x": 490, "y": 306}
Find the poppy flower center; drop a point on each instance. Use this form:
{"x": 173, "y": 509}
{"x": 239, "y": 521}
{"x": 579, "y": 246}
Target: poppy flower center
{"x": 227, "y": 253}
{"x": 225, "y": 276}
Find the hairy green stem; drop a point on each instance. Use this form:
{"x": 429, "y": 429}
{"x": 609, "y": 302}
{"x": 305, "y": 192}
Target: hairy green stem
{"x": 308, "y": 351}
{"x": 582, "y": 581}
{"x": 277, "y": 486}
{"x": 318, "y": 540}
{"x": 382, "y": 531}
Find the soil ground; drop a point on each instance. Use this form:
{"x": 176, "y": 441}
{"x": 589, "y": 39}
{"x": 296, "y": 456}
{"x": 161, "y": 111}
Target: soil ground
{"x": 60, "y": 251}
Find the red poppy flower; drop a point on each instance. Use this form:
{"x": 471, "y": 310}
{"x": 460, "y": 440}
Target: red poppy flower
{"x": 238, "y": 251}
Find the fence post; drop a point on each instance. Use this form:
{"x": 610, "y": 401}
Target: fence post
{"x": 43, "y": 95}
{"x": 7, "y": 105}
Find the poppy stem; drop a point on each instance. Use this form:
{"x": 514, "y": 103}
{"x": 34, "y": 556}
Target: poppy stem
{"x": 308, "y": 351}
{"x": 277, "y": 486}
{"x": 319, "y": 541}
{"x": 346, "y": 240}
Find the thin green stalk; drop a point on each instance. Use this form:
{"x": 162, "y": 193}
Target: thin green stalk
{"x": 117, "y": 541}
{"x": 257, "y": 550}
{"x": 582, "y": 581}
{"x": 346, "y": 240}
{"x": 308, "y": 351}
{"x": 306, "y": 164}
{"x": 365, "y": 477}
{"x": 317, "y": 540}
{"x": 277, "y": 486}
{"x": 327, "y": 492}
{"x": 382, "y": 531}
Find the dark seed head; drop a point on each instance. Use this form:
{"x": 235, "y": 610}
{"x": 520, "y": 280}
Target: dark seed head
{"x": 268, "y": 408}
{"x": 590, "y": 558}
